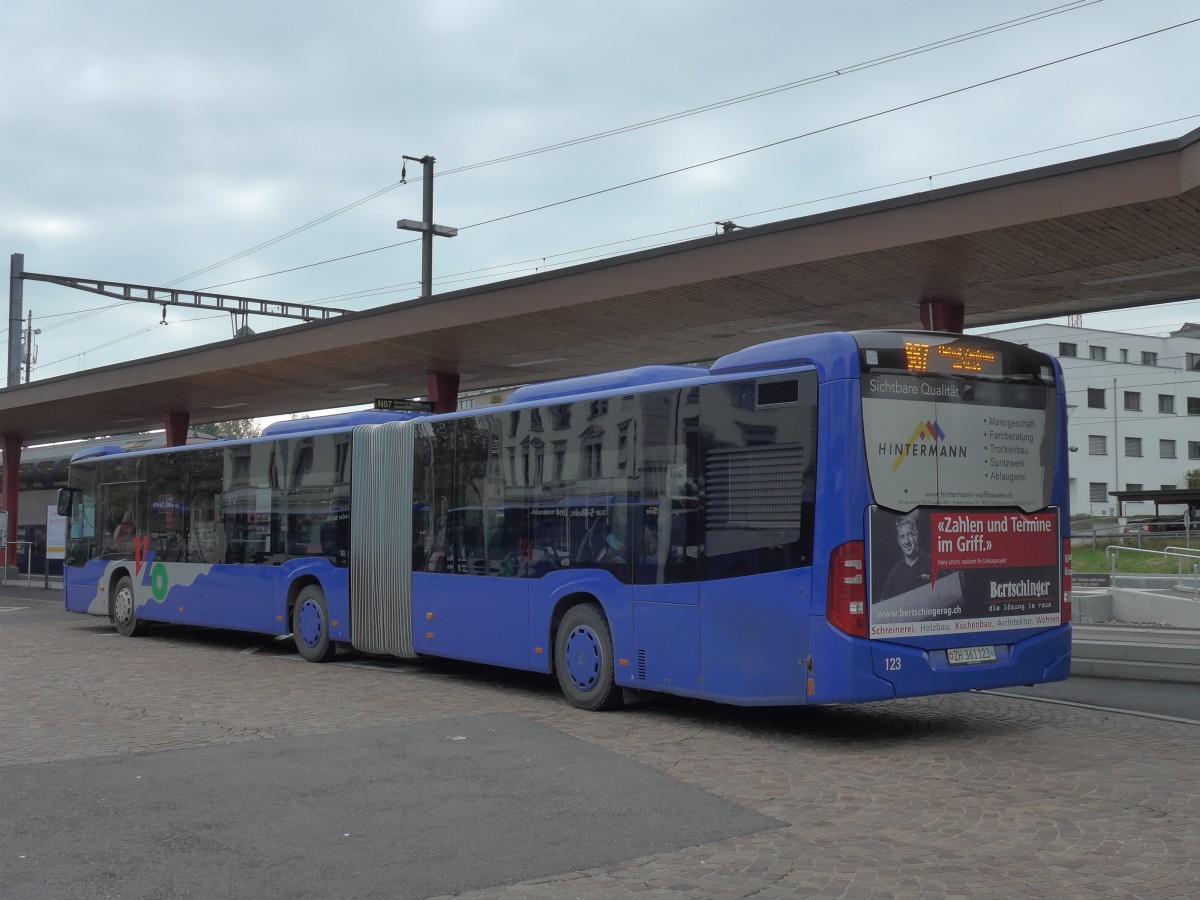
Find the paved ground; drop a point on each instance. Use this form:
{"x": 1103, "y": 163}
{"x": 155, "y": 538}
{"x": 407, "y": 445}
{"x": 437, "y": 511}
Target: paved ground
{"x": 193, "y": 764}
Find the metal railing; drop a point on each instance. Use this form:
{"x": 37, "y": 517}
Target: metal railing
{"x": 1133, "y": 533}
{"x": 1180, "y": 554}
{"x": 28, "y": 545}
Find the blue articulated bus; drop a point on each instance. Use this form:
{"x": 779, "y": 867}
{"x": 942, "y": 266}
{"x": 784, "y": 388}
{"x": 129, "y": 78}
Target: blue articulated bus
{"x": 831, "y": 518}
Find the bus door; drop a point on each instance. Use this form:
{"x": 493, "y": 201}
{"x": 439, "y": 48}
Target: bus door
{"x": 662, "y": 515}
{"x": 666, "y": 613}
{"x": 472, "y": 600}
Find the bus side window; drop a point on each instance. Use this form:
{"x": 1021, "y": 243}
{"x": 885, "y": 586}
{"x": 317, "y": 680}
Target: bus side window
{"x": 121, "y": 507}
{"x": 758, "y": 443}
{"x": 206, "y": 532}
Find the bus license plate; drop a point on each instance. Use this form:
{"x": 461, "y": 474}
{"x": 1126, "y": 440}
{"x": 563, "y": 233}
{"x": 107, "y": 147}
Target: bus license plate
{"x": 965, "y": 656}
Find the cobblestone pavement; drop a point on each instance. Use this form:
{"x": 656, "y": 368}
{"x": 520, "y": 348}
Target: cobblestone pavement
{"x": 956, "y": 796}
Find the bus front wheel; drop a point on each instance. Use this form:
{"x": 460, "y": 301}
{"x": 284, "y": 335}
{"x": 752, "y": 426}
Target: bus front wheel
{"x": 310, "y": 625}
{"x": 583, "y": 659}
{"x": 124, "y": 609}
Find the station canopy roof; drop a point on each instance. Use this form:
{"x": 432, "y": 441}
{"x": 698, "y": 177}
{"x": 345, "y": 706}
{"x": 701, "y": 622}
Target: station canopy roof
{"x": 1107, "y": 232}
{"x": 1165, "y": 497}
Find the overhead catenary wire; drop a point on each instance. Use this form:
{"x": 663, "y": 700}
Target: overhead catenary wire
{"x": 507, "y": 268}
{"x": 744, "y": 152}
{"x": 841, "y": 71}
{"x": 740, "y": 153}
{"x": 544, "y": 258}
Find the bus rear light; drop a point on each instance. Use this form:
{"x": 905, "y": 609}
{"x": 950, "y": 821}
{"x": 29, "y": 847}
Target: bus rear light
{"x": 1066, "y": 581}
{"x": 846, "y": 606}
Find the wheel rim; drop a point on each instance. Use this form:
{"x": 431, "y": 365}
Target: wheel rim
{"x": 584, "y": 657}
{"x": 123, "y": 606}
{"x": 312, "y": 626}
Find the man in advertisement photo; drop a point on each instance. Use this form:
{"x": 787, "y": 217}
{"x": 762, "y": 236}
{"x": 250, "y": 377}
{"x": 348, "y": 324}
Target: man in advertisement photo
{"x": 909, "y": 594}
{"x": 914, "y": 569}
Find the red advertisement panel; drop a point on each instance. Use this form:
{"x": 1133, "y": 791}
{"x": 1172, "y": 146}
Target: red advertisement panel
{"x": 943, "y": 572}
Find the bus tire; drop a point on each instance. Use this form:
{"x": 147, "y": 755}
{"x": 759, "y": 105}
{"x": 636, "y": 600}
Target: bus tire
{"x": 124, "y": 609}
{"x": 583, "y": 659}
{"x": 310, "y": 625}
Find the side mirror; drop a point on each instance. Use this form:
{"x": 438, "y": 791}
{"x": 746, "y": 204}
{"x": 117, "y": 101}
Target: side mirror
{"x": 64, "y": 501}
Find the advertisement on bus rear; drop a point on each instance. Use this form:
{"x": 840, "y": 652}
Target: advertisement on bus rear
{"x": 942, "y": 442}
{"x": 963, "y": 571}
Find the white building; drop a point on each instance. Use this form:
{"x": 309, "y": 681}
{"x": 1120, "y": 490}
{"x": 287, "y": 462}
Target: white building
{"x": 1133, "y": 410}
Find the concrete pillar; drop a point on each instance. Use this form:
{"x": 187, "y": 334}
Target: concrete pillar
{"x": 942, "y": 315}
{"x": 443, "y": 390}
{"x": 177, "y": 428}
{"x": 12, "y": 493}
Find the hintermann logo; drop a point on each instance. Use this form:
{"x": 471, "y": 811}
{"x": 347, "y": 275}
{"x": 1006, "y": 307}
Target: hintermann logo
{"x": 927, "y": 439}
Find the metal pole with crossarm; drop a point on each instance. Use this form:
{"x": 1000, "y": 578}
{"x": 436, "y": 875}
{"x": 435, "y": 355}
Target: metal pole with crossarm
{"x": 16, "y": 299}
{"x": 144, "y": 293}
{"x": 426, "y": 226}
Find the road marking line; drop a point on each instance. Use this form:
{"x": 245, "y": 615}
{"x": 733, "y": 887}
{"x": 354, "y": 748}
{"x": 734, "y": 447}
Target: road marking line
{"x": 1111, "y": 709}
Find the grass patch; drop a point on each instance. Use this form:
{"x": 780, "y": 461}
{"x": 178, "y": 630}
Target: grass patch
{"x": 1085, "y": 559}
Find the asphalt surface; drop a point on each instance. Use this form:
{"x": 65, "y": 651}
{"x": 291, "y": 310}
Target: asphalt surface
{"x": 510, "y": 801}
{"x": 198, "y": 764}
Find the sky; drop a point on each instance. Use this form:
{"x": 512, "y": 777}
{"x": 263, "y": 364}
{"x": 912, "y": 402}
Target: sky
{"x": 146, "y": 142}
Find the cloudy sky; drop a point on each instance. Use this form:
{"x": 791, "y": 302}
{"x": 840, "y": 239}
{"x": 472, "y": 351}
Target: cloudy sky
{"x": 148, "y": 142}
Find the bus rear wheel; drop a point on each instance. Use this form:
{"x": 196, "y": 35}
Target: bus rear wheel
{"x": 583, "y": 659}
{"x": 310, "y": 625}
{"x": 124, "y": 609}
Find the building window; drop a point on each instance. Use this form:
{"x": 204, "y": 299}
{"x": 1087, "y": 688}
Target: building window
{"x": 1193, "y": 449}
{"x": 1194, "y": 406}
{"x": 1068, "y": 350}
{"x": 1097, "y": 445}
{"x": 533, "y": 461}
{"x": 1166, "y": 449}
{"x": 1098, "y": 492}
{"x": 1133, "y": 487}
{"x": 1167, "y": 487}
{"x": 1133, "y": 446}
{"x": 1166, "y": 404}
{"x": 1098, "y": 353}
{"x": 560, "y": 416}
{"x": 1133, "y": 401}
{"x": 1096, "y": 399}
{"x": 591, "y": 451}
{"x": 1124, "y": 355}
{"x": 1193, "y": 362}
{"x": 560, "y": 459}
{"x": 1149, "y": 359}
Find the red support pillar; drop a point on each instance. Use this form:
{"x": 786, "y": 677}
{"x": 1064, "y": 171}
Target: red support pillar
{"x": 443, "y": 390}
{"x": 942, "y": 315}
{"x": 12, "y": 492}
{"x": 177, "y": 428}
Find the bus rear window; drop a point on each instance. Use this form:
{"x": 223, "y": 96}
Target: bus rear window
{"x": 958, "y": 422}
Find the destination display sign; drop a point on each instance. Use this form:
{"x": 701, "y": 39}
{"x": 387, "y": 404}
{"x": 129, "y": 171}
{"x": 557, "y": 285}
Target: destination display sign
{"x": 386, "y": 404}
{"x": 961, "y": 356}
